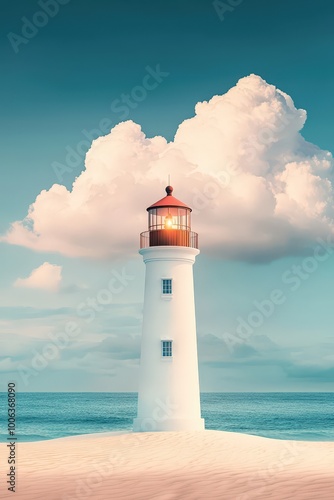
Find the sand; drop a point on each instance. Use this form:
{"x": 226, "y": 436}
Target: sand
{"x": 169, "y": 466}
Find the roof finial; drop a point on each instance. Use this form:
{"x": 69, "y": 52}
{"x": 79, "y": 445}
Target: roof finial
{"x": 169, "y": 188}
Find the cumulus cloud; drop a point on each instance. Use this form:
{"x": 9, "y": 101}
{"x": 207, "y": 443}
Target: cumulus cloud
{"x": 259, "y": 190}
{"x": 45, "y": 277}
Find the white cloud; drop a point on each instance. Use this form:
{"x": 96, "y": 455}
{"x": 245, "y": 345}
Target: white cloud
{"x": 258, "y": 189}
{"x": 45, "y": 277}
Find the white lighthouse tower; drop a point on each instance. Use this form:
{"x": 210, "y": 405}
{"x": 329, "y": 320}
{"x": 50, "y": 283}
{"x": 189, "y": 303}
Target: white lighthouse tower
{"x": 169, "y": 396}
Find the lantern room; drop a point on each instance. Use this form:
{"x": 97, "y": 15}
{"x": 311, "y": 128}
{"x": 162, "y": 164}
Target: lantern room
{"x": 169, "y": 223}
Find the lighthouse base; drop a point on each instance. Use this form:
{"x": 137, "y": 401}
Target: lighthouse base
{"x": 149, "y": 424}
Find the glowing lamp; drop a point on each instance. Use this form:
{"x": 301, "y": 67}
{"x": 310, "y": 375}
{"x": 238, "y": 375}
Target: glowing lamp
{"x": 168, "y": 221}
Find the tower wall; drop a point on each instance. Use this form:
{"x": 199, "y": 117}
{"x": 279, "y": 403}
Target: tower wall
{"x": 169, "y": 396}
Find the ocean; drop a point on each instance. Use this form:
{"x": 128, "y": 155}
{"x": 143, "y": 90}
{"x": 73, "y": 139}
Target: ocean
{"x": 299, "y": 416}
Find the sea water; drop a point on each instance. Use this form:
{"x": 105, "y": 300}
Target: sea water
{"x": 300, "y": 416}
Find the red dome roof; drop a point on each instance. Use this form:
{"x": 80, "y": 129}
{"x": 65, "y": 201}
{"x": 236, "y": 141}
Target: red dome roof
{"x": 169, "y": 201}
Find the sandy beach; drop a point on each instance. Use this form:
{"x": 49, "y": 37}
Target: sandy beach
{"x": 171, "y": 465}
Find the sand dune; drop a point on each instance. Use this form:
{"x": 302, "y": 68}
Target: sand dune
{"x": 171, "y": 466}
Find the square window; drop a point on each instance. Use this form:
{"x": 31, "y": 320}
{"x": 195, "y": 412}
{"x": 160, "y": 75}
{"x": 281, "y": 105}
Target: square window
{"x": 167, "y": 286}
{"x": 166, "y": 348}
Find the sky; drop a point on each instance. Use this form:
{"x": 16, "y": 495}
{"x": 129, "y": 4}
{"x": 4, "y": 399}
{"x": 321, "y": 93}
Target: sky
{"x": 234, "y": 101}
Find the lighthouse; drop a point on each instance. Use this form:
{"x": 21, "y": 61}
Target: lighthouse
{"x": 169, "y": 395}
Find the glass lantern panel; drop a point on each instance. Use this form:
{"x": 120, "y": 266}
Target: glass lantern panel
{"x": 169, "y": 218}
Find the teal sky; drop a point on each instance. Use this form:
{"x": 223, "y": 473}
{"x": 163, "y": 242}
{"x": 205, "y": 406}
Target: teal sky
{"x": 64, "y": 80}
